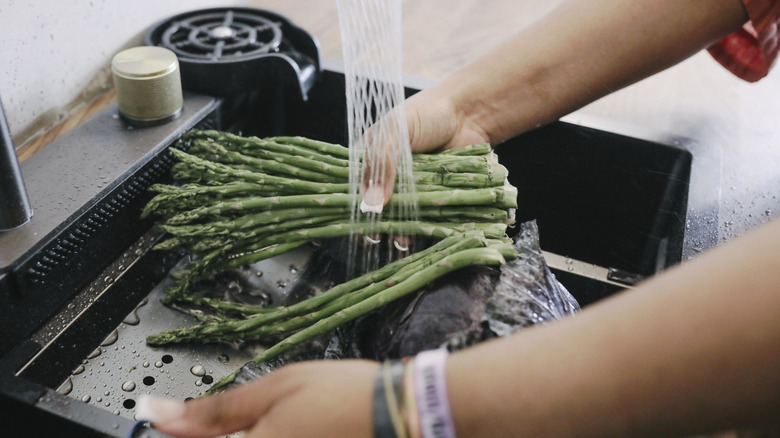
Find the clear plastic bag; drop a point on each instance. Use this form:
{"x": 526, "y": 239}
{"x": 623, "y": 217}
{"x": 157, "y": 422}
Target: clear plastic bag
{"x": 470, "y": 306}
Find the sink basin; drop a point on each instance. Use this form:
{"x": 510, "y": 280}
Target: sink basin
{"x": 614, "y": 204}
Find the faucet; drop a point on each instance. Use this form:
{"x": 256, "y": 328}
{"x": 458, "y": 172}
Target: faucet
{"x": 15, "y": 209}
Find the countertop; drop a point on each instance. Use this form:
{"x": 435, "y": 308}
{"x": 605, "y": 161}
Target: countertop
{"x": 696, "y": 98}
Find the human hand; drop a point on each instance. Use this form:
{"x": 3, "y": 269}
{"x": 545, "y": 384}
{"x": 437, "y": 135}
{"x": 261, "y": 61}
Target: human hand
{"x": 307, "y": 399}
{"x": 435, "y": 124}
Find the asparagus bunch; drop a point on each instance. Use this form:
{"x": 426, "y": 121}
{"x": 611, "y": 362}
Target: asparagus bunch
{"x": 239, "y": 200}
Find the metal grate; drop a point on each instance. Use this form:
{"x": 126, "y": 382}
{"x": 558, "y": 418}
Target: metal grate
{"x": 78, "y": 237}
{"x": 223, "y": 35}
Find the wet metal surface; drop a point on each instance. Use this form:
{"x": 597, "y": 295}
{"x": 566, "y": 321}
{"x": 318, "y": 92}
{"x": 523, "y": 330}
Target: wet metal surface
{"x": 83, "y": 165}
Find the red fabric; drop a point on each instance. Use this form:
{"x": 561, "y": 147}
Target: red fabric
{"x": 751, "y": 51}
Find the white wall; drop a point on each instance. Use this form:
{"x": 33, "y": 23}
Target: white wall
{"x": 55, "y": 54}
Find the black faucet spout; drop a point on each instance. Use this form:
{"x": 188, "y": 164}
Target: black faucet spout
{"x": 15, "y": 209}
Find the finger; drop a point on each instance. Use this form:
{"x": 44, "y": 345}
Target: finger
{"x": 379, "y": 170}
{"x": 402, "y": 243}
{"x": 233, "y": 410}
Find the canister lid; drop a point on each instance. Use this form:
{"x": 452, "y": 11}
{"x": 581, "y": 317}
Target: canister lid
{"x": 144, "y": 62}
{"x": 148, "y": 84}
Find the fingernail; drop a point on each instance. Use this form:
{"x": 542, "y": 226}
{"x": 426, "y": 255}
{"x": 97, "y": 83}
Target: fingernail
{"x": 158, "y": 410}
{"x": 373, "y": 200}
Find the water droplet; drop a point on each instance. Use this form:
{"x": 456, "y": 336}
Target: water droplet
{"x": 198, "y": 383}
{"x": 158, "y": 364}
{"x": 128, "y": 386}
{"x": 198, "y": 370}
{"x": 223, "y": 358}
{"x": 94, "y": 354}
{"x": 110, "y": 339}
{"x": 281, "y": 283}
{"x": 78, "y": 370}
{"x": 86, "y": 399}
{"x": 167, "y": 358}
{"x": 259, "y": 274}
{"x": 66, "y": 387}
{"x": 132, "y": 318}
{"x": 145, "y": 365}
{"x": 293, "y": 269}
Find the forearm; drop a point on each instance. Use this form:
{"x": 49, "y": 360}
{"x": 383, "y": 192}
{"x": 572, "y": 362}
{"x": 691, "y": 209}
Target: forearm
{"x": 696, "y": 348}
{"x": 579, "y": 52}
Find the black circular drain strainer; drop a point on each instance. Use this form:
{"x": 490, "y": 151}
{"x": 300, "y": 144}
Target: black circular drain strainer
{"x": 228, "y": 51}
{"x": 222, "y": 35}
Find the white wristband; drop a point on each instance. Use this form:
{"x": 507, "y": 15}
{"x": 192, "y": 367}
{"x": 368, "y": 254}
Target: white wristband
{"x": 430, "y": 384}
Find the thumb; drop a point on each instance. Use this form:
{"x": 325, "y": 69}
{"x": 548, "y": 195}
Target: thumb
{"x": 225, "y": 413}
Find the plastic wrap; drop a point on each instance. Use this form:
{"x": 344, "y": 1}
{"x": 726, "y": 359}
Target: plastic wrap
{"x": 470, "y": 306}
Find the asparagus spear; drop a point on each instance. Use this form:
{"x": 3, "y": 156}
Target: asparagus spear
{"x": 477, "y": 256}
{"x": 374, "y": 280}
{"x": 502, "y": 197}
{"x": 298, "y": 167}
{"x": 255, "y": 146}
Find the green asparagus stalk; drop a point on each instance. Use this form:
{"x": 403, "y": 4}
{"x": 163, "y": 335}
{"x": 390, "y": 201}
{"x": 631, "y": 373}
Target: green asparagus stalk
{"x": 297, "y": 184}
{"x": 501, "y": 197}
{"x": 478, "y": 256}
{"x": 256, "y": 146}
{"x": 298, "y": 167}
{"x": 319, "y": 146}
{"x": 214, "y": 333}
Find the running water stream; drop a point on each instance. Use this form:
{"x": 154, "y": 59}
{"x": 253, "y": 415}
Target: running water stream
{"x": 378, "y": 130}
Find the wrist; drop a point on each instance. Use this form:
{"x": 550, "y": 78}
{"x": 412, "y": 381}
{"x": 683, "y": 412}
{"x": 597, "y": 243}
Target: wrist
{"x": 410, "y": 398}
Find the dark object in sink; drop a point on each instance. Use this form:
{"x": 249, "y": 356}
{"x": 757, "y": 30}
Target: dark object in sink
{"x": 470, "y": 306}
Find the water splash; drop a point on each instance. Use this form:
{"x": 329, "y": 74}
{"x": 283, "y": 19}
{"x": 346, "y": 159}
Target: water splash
{"x": 376, "y": 119}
